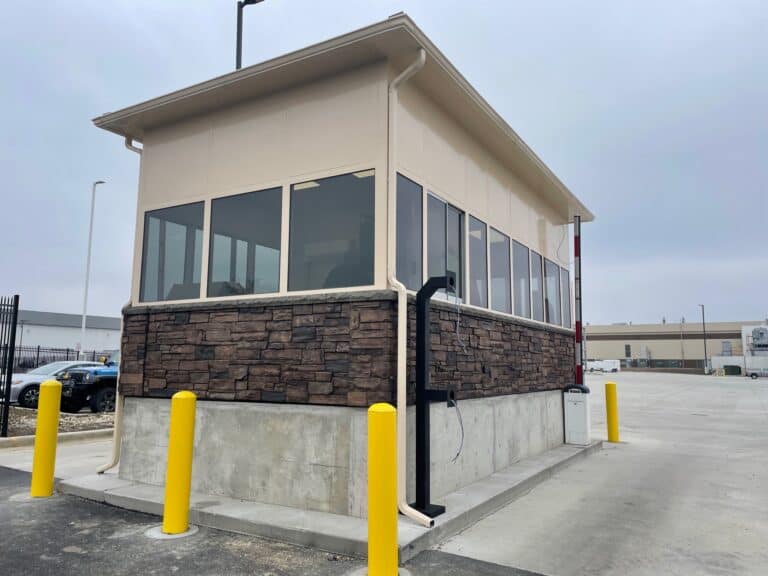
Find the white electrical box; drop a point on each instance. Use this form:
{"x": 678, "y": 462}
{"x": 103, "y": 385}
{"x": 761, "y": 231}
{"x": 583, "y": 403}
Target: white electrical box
{"x": 577, "y": 422}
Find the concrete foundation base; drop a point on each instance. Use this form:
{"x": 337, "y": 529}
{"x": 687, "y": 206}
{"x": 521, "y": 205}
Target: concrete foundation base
{"x": 333, "y": 532}
{"x": 314, "y": 457}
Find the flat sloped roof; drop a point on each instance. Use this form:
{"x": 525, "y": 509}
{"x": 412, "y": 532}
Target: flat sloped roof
{"x": 396, "y": 39}
{"x": 61, "y": 320}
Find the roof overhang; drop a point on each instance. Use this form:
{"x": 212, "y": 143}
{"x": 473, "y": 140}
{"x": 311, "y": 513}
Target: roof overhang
{"x": 396, "y": 39}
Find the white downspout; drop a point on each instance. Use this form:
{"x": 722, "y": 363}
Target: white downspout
{"x": 117, "y": 434}
{"x": 402, "y": 296}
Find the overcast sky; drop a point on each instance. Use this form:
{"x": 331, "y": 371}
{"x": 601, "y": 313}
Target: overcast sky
{"x": 654, "y": 113}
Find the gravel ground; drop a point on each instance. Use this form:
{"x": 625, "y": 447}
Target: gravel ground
{"x": 21, "y": 421}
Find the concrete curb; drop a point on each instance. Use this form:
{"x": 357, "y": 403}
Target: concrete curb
{"x": 452, "y": 525}
{"x": 333, "y": 533}
{"x": 21, "y": 441}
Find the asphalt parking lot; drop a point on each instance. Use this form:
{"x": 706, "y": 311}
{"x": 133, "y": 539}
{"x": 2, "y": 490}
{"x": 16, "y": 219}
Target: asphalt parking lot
{"x": 684, "y": 493}
{"x": 65, "y": 535}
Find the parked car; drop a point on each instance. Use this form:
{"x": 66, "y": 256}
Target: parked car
{"x": 25, "y": 388}
{"x": 95, "y": 386}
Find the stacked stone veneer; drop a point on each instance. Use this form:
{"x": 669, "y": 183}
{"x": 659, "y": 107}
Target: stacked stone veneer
{"x": 334, "y": 349}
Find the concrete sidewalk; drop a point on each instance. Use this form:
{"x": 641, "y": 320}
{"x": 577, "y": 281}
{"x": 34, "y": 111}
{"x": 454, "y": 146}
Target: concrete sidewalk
{"x": 72, "y": 458}
{"x": 336, "y": 533}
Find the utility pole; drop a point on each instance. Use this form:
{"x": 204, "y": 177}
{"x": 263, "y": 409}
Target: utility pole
{"x": 704, "y": 329}
{"x": 239, "y": 54}
{"x": 88, "y": 268}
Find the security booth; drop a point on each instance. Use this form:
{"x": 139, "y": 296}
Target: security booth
{"x": 288, "y": 214}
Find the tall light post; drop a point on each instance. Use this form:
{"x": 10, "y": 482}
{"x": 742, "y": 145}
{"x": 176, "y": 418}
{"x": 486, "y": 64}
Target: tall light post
{"x": 704, "y": 329}
{"x": 88, "y": 266}
{"x": 239, "y": 53}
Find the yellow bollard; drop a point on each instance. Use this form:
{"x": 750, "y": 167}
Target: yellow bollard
{"x": 46, "y": 433}
{"x": 382, "y": 491}
{"x": 612, "y": 412}
{"x": 178, "y": 474}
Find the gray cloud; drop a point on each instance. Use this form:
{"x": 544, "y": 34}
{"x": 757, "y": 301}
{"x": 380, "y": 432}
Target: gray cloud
{"x": 653, "y": 113}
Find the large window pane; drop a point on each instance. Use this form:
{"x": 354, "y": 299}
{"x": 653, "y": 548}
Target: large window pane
{"x": 501, "y": 299}
{"x": 332, "y": 232}
{"x": 521, "y": 268}
{"x": 537, "y": 287}
{"x": 445, "y": 241}
{"x": 454, "y": 241}
{"x": 435, "y": 236}
{"x": 409, "y": 233}
{"x": 552, "y": 292}
{"x": 172, "y": 249}
{"x": 244, "y": 256}
{"x": 478, "y": 263}
{"x": 565, "y": 283}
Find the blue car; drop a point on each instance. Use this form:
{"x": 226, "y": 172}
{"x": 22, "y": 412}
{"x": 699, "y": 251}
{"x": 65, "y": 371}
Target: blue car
{"x": 95, "y": 386}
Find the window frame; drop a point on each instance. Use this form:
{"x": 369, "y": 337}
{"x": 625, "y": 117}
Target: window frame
{"x": 510, "y": 272}
{"x": 463, "y": 245}
{"x": 380, "y": 189}
{"x": 285, "y": 289}
{"x": 486, "y": 262}
{"x": 142, "y": 254}
{"x": 558, "y": 301}
{"x": 208, "y": 240}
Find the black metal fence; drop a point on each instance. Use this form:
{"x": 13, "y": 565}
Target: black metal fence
{"x": 9, "y": 315}
{"x": 29, "y": 357}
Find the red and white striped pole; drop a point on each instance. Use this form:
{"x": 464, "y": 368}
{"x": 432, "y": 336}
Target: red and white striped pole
{"x": 579, "y": 344}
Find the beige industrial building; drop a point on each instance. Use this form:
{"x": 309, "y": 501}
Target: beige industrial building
{"x": 668, "y": 346}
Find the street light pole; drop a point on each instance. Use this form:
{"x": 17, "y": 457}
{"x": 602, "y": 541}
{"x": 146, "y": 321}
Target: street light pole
{"x": 239, "y": 54}
{"x": 704, "y": 329}
{"x": 88, "y": 267}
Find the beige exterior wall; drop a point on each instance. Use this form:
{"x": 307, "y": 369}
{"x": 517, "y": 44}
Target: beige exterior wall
{"x": 437, "y": 153}
{"x": 326, "y": 128}
{"x": 330, "y": 127}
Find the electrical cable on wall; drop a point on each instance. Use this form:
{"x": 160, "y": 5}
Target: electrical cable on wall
{"x": 453, "y": 401}
{"x": 461, "y": 428}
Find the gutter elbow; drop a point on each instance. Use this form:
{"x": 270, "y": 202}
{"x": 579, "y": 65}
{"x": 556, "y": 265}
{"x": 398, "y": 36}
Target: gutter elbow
{"x": 129, "y": 144}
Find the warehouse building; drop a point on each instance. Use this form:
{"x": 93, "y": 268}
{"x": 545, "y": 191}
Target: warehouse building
{"x": 57, "y": 330}
{"x": 669, "y": 346}
{"x": 287, "y": 213}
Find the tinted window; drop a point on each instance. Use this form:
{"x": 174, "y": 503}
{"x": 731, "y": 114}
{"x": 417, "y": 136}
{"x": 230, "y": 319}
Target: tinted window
{"x": 552, "y": 292}
{"x": 478, "y": 263}
{"x": 500, "y": 280}
{"x": 521, "y": 268}
{"x": 245, "y": 244}
{"x": 409, "y": 233}
{"x": 435, "y": 236}
{"x": 332, "y": 232}
{"x": 565, "y": 283}
{"x": 172, "y": 250}
{"x": 537, "y": 287}
{"x": 445, "y": 241}
{"x": 454, "y": 241}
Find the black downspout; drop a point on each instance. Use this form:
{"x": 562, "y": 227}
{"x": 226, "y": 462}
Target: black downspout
{"x": 424, "y": 394}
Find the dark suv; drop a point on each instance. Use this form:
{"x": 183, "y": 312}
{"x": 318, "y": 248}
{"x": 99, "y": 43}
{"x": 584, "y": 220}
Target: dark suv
{"x": 94, "y": 385}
